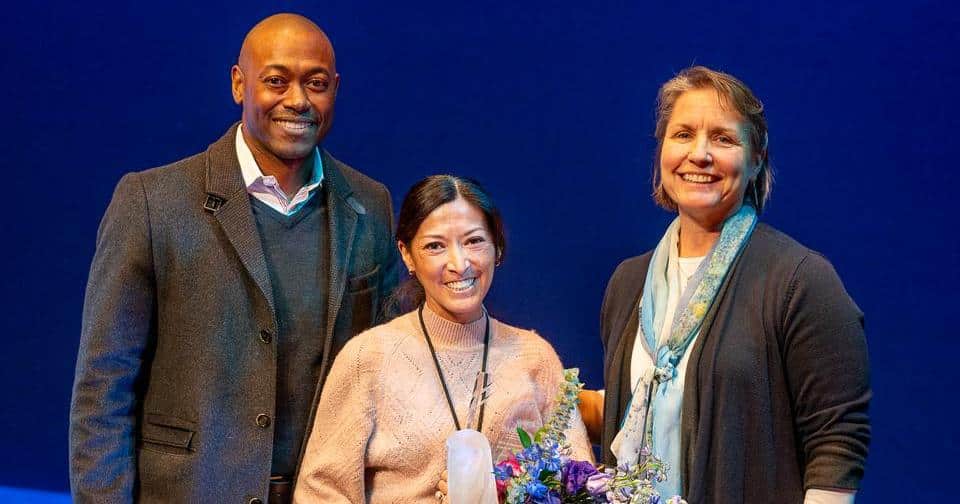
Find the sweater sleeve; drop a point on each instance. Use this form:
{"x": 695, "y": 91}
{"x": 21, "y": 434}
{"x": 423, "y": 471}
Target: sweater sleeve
{"x": 827, "y": 370}
{"x": 333, "y": 464}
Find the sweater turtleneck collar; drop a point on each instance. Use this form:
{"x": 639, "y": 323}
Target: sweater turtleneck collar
{"x": 447, "y": 333}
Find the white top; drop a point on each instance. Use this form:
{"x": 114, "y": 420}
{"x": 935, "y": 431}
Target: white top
{"x": 680, "y": 270}
{"x": 266, "y": 188}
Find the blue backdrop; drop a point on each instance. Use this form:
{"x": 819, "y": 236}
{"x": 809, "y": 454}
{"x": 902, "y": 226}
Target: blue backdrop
{"x": 550, "y": 105}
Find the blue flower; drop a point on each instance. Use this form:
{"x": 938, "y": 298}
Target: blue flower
{"x": 503, "y": 471}
{"x": 551, "y": 464}
{"x": 536, "y": 489}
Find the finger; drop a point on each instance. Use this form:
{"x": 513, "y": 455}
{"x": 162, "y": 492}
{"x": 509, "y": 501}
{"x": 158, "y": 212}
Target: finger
{"x": 442, "y": 484}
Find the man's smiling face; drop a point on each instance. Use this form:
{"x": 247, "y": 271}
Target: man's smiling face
{"x": 286, "y": 80}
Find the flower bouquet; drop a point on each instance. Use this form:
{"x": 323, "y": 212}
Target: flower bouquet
{"x": 542, "y": 471}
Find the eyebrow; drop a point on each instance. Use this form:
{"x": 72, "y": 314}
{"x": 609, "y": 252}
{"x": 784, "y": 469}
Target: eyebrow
{"x": 441, "y": 237}
{"x": 722, "y": 129}
{"x": 283, "y": 69}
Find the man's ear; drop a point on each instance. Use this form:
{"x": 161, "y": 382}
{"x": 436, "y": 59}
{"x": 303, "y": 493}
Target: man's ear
{"x": 236, "y": 84}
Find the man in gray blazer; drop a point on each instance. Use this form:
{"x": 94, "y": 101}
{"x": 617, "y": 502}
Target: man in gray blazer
{"x": 222, "y": 287}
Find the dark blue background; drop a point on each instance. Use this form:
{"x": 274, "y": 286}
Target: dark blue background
{"x": 551, "y": 106}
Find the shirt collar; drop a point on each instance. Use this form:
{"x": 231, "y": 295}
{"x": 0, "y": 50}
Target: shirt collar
{"x": 252, "y": 173}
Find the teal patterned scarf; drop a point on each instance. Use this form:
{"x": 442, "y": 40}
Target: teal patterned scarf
{"x": 642, "y": 420}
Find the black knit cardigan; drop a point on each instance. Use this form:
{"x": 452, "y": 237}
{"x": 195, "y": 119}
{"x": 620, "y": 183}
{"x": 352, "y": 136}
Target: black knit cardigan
{"x": 777, "y": 386}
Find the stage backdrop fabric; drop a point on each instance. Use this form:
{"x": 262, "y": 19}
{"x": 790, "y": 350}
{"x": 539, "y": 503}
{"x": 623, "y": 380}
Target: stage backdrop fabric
{"x": 550, "y": 105}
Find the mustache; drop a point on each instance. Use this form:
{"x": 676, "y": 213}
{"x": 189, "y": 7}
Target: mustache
{"x": 296, "y": 118}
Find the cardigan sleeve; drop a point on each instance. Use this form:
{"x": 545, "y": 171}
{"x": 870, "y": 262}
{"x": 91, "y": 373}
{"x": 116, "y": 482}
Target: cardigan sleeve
{"x": 333, "y": 464}
{"x": 828, "y": 374}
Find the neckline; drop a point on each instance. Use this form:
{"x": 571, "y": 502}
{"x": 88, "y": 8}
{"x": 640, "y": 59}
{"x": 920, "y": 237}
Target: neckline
{"x": 443, "y": 382}
{"x": 447, "y": 333}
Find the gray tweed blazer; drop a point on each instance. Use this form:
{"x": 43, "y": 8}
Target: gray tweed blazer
{"x": 175, "y": 386}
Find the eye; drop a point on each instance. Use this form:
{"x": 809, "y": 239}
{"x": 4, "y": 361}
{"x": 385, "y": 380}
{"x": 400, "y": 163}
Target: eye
{"x": 274, "y": 81}
{"x": 476, "y": 240}
{"x": 682, "y": 135}
{"x": 319, "y": 85}
{"x": 433, "y": 246}
{"x": 727, "y": 139}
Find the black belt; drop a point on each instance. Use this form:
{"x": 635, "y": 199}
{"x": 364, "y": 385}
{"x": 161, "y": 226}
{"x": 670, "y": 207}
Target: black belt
{"x": 280, "y": 490}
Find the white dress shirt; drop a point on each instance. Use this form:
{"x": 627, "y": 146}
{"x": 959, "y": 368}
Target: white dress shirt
{"x": 266, "y": 188}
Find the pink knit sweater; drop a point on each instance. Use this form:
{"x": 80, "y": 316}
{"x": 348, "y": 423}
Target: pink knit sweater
{"x": 383, "y": 421}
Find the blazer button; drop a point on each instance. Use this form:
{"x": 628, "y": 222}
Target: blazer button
{"x": 265, "y": 336}
{"x": 263, "y": 421}
{"x": 255, "y": 500}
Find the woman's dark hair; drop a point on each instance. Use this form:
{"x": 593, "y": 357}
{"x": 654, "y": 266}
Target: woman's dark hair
{"x": 421, "y": 200}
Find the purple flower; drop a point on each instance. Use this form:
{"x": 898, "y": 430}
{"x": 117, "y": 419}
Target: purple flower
{"x": 575, "y": 474}
{"x": 598, "y": 484}
{"x": 645, "y": 453}
{"x": 548, "y": 498}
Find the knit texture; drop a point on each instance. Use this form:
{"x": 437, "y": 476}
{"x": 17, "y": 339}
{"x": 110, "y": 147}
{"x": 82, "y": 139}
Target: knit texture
{"x": 297, "y": 267}
{"x": 383, "y": 421}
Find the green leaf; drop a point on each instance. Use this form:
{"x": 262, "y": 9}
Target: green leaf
{"x": 524, "y": 437}
{"x": 547, "y": 477}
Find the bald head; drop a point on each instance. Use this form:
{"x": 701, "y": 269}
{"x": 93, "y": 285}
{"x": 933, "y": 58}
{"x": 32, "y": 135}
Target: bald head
{"x": 279, "y": 28}
{"x": 286, "y": 80}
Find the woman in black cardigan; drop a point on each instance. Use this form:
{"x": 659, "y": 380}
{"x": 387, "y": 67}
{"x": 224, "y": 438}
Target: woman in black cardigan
{"x": 731, "y": 349}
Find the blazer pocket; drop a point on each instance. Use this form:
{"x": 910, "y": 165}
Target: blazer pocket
{"x": 364, "y": 280}
{"x": 168, "y": 434}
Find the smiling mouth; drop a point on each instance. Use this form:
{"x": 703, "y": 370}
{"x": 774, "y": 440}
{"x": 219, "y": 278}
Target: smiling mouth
{"x": 461, "y": 285}
{"x": 699, "y": 178}
{"x": 295, "y": 126}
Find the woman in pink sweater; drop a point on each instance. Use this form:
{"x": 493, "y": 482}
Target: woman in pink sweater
{"x": 397, "y": 391}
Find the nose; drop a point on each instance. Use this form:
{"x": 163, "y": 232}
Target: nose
{"x": 296, "y": 99}
{"x": 700, "y": 151}
{"x": 457, "y": 260}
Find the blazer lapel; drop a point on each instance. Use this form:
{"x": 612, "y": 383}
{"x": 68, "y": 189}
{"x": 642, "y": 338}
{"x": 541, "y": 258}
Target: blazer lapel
{"x": 227, "y": 199}
{"x": 344, "y": 211}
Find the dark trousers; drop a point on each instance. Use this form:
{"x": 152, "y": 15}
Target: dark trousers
{"x": 280, "y": 490}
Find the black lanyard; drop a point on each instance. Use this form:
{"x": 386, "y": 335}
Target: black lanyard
{"x": 443, "y": 383}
